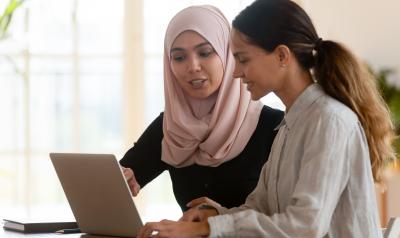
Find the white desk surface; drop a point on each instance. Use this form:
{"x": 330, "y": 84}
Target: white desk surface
{"x": 13, "y": 234}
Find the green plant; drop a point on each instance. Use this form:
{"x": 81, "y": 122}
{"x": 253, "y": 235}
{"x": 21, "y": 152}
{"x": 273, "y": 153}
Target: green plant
{"x": 6, "y": 17}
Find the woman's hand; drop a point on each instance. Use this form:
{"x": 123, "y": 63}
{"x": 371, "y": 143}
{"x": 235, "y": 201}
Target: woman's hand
{"x": 131, "y": 180}
{"x": 199, "y": 214}
{"x": 203, "y": 200}
{"x": 167, "y": 228}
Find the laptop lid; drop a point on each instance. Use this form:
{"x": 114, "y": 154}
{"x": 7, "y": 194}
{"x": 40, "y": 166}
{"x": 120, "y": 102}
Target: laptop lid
{"x": 97, "y": 193}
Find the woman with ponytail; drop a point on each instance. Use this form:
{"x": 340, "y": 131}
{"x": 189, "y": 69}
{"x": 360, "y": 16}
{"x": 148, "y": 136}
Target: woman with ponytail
{"x": 332, "y": 143}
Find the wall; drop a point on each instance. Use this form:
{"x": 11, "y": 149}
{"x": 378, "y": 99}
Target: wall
{"x": 370, "y": 28}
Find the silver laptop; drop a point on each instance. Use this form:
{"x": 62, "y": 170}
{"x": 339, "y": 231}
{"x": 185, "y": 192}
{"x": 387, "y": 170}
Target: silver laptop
{"x": 98, "y": 194}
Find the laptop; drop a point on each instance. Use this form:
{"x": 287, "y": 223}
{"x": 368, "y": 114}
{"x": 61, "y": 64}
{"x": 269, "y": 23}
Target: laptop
{"x": 97, "y": 193}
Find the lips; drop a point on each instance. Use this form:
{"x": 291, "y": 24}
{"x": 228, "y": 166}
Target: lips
{"x": 197, "y": 83}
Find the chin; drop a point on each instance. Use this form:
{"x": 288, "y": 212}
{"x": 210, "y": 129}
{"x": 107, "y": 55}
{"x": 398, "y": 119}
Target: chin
{"x": 200, "y": 95}
{"x": 255, "y": 97}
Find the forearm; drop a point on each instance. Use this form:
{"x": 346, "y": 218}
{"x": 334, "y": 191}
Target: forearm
{"x": 144, "y": 158}
{"x": 203, "y": 229}
{"x": 145, "y": 166}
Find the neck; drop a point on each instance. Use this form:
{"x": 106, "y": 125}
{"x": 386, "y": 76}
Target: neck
{"x": 296, "y": 82}
{"x": 203, "y": 106}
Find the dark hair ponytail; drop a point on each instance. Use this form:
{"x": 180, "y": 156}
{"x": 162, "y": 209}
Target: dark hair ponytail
{"x": 269, "y": 23}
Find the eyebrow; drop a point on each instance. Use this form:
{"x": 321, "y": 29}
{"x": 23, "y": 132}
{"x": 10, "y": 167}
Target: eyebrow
{"x": 236, "y": 54}
{"x": 196, "y": 47}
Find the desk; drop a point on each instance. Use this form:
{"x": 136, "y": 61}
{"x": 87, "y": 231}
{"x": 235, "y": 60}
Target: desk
{"x": 13, "y": 234}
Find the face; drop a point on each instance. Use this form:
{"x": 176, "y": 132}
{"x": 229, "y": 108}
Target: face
{"x": 260, "y": 70}
{"x": 196, "y": 65}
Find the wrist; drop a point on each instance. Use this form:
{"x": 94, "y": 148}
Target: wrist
{"x": 204, "y": 228}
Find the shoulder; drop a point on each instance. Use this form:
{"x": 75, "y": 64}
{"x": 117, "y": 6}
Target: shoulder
{"x": 160, "y": 117}
{"x": 158, "y": 120}
{"x": 271, "y": 112}
{"x": 156, "y": 126}
{"x": 269, "y": 119}
{"x": 333, "y": 113}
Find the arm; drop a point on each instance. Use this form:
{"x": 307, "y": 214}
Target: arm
{"x": 144, "y": 158}
{"x": 255, "y": 200}
{"x": 323, "y": 175}
{"x": 194, "y": 222}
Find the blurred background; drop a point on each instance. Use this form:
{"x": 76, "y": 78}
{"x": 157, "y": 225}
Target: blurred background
{"x": 86, "y": 76}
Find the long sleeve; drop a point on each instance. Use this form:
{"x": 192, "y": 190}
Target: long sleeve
{"x": 319, "y": 186}
{"x": 144, "y": 158}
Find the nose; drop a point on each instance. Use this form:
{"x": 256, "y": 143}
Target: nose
{"x": 194, "y": 65}
{"x": 237, "y": 73}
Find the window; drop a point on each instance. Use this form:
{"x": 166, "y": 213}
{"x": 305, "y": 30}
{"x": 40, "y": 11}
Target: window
{"x": 61, "y": 80}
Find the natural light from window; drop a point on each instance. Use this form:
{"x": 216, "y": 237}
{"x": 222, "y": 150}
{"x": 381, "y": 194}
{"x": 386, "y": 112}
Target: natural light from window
{"x": 61, "y": 86}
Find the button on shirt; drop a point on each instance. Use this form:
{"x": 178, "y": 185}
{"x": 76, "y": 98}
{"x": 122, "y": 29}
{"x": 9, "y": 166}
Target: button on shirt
{"x": 317, "y": 181}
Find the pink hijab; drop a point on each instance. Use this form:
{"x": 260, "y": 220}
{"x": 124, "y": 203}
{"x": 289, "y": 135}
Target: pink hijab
{"x": 208, "y": 131}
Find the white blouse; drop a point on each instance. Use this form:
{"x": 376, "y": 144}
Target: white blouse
{"x": 317, "y": 181}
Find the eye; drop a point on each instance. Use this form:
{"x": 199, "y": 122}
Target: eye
{"x": 242, "y": 60}
{"x": 204, "y": 53}
{"x": 178, "y": 58}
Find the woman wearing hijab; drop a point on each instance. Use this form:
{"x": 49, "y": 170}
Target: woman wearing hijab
{"x": 212, "y": 138}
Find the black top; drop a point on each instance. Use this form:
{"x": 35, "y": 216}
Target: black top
{"x": 228, "y": 184}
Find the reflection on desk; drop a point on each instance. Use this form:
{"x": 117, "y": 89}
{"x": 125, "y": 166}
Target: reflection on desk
{"x": 13, "y": 234}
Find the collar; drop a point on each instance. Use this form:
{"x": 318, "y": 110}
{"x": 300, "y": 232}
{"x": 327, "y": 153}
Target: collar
{"x": 304, "y": 101}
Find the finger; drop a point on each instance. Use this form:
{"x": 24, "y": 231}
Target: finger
{"x": 128, "y": 173}
{"x": 146, "y": 230}
{"x": 164, "y": 228}
{"x": 159, "y": 229}
{"x": 132, "y": 183}
{"x": 191, "y": 215}
{"x": 196, "y": 202}
{"x": 162, "y": 234}
{"x": 212, "y": 202}
{"x": 141, "y": 232}
{"x": 136, "y": 189}
{"x": 205, "y": 200}
{"x": 163, "y": 223}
